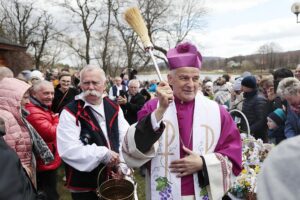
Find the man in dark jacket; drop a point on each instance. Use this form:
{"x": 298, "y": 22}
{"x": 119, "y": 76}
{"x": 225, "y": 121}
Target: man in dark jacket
{"x": 255, "y": 109}
{"x": 132, "y": 102}
{"x": 14, "y": 183}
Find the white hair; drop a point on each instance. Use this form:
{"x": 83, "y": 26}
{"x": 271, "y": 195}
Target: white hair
{"x": 133, "y": 81}
{"x": 95, "y": 68}
{"x": 288, "y": 87}
{"x": 38, "y": 85}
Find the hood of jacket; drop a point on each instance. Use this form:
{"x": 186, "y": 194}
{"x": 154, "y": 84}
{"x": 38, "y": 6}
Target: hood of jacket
{"x": 11, "y": 93}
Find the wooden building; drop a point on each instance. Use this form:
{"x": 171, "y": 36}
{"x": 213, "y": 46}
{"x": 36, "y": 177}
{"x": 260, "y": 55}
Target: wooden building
{"x": 14, "y": 56}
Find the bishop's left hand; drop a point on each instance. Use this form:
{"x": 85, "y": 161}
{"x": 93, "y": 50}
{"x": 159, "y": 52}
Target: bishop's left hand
{"x": 190, "y": 164}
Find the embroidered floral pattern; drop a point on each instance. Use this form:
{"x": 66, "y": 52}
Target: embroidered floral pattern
{"x": 204, "y": 194}
{"x": 164, "y": 188}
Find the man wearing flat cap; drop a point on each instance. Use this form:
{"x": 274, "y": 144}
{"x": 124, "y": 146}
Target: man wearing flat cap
{"x": 190, "y": 144}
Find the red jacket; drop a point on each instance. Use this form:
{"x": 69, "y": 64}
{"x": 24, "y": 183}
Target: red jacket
{"x": 45, "y": 123}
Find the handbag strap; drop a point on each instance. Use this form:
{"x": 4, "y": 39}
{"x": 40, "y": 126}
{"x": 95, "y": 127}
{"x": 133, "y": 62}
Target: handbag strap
{"x": 63, "y": 98}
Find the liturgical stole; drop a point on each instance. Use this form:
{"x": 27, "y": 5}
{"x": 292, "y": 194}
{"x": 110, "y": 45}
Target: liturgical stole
{"x": 206, "y": 133}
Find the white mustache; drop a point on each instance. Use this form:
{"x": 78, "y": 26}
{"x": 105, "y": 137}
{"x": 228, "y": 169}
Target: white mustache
{"x": 92, "y": 92}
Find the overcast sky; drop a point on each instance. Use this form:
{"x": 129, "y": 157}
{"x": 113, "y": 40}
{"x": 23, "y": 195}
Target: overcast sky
{"x": 240, "y": 27}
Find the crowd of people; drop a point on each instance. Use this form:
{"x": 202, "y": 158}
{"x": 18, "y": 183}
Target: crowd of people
{"x": 179, "y": 132}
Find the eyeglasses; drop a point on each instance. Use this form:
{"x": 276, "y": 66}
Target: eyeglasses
{"x": 94, "y": 83}
{"x": 65, "y": 81}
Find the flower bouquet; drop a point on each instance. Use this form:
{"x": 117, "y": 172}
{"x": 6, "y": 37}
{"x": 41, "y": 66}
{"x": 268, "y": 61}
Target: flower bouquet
{"x": 254, "y": 153}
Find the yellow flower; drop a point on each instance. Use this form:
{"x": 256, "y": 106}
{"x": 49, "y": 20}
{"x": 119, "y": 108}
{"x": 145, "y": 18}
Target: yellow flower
{"x": 247, "y": 184}
{"x": 257, "y": 168}
{"x": 244, "y": 171}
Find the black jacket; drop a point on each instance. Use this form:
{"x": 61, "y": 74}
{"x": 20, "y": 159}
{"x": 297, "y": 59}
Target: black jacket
{"x": 256, "y": 110}
{"x": 14, "y": 182}
{"x": 132, "y": 107}
{"x": 62, "y": 99}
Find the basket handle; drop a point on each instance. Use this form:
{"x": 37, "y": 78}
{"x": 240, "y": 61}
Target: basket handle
{"x": 101, "y": 170}
{"x": 245, "y": 118}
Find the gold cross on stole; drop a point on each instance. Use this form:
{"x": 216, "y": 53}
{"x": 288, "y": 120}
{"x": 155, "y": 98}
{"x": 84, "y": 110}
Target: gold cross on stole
{"x": 166, "y": 153}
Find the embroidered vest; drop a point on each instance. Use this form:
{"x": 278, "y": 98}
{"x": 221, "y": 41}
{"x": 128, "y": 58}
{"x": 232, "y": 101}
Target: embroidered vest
{"x": 91, "y": 133}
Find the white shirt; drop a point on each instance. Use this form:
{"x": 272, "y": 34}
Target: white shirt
{"x": 110, "y": 94}
{"x": 73, "y": 151}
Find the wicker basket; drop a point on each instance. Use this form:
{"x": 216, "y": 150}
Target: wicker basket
{"x": 251, "y": 196}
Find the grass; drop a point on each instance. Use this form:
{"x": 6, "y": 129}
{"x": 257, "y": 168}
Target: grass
{"x": 62, "y": 191}
{"x": 65, "y": 194}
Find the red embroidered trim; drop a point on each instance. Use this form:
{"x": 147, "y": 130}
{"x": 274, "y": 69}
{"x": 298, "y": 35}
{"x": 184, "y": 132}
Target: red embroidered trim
{"x": 69, "y": 176}
{"x": 224, "y": 171}
{"x": 84, "y": 115}
{"x": 112, "y": 103}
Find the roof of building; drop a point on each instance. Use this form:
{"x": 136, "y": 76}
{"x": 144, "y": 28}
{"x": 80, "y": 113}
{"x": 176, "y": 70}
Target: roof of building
{"x": 6, "y": 44}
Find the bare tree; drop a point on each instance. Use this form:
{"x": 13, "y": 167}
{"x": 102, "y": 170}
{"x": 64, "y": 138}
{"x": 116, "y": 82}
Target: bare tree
{"x": 156, "y": 16}
{"x": 24, "y": 24}
{"x": 87, "y": 12}
{"x": 43, "y": 35}
{"x": 188, "y": 16}
{"x": 129, "y": 39}
{"x": 105, "y": 54}
{"x": 267, "y": 54}
{"x": 170, "y": 22}
{"x": 54, "y": 54}
{"x": 19, "y": 21}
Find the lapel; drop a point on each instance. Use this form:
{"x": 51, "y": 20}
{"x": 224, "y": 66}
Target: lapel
{"x": 111, "y": 113}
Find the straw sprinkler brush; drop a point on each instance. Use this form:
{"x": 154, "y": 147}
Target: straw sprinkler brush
{"x": 135, "y": 20}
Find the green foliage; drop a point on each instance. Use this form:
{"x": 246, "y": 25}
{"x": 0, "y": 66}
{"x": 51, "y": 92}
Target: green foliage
{"x": 162, "y": 183}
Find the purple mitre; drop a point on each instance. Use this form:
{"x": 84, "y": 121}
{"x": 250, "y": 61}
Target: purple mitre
{"x": 184, "y": 55}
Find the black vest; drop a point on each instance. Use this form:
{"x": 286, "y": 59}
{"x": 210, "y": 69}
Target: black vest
{"x": 91, "y": 133}
{"x": 115, "y": 89}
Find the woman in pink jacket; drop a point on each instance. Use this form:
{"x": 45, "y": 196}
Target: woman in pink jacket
{"x": 13, "y": 96}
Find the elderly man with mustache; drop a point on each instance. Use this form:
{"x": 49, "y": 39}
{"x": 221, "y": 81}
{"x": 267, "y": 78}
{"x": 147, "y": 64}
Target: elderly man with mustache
{"x": 89, "y": 135}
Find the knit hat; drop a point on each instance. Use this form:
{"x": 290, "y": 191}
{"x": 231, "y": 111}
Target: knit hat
{"x": 184, "y": 55}
{"x": 249, "y": 82}
{"x": 278, "y": 116}
{"x": 209, "y": 84}
{"x": 237, "y": 84}
{"x": 25, "y": 75}
{"x": 37, "y": 74}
